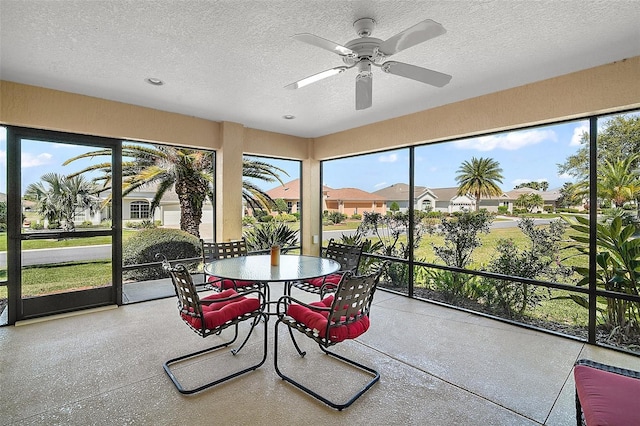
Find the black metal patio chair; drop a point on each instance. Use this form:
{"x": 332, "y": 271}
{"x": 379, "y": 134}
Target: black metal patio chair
{"x": 210, "y": 316}
{"x": 606, "y": 395}
{"x": 348, "y": 256}
{"x": 226, "y": 250}
{"x": 338, "y": 317}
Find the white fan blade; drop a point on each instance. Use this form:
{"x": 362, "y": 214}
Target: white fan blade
{"x": 315, "y": 77}
{"x": 417, "y": 34}
{"x": 324, "y": 44}
{"x": 364, "y": 92}
{"x": 413, "y": 72}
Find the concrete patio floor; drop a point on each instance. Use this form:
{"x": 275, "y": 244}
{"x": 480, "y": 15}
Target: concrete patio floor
{"x": 438, "y": 366}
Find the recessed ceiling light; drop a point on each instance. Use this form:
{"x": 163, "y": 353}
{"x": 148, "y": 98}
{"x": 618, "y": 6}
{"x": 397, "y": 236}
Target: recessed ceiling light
{"x": 154, "y": 81}
{"x": 288, "y": 117}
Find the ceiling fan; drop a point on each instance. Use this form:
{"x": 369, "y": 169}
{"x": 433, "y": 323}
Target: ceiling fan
{"x": 366, "y": 51}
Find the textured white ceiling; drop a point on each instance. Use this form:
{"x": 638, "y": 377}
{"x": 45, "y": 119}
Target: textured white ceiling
{"x": 230, "y": 59}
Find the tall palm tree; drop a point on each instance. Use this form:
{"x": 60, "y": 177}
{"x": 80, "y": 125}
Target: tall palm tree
{"x": 189, "y": 172}
{"x": 58, "y": 197}
{"x": 479, "y": 177}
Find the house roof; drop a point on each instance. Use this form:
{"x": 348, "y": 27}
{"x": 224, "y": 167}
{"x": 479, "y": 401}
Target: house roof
{"x": 399, "y": 191}
{"x": 351, "y": 194}
{"x": 229, "y": 60}
{"x": 291, "y": 191}
{"x": 550, "y": 195}
{"x": 288, "y": 191}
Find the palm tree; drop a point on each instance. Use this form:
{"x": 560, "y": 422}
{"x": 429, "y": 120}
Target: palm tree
{"x": 59, "y": 199}
{"x": 479, "y": 177}
{"x": 617, "y": 181}
{"x": 189, "y": 172}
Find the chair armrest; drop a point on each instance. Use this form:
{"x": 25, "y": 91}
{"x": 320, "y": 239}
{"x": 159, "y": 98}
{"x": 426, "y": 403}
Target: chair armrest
{"x": 285, "y": 301}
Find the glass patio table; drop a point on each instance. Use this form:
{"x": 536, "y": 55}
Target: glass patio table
{"x": 258, "y": 268}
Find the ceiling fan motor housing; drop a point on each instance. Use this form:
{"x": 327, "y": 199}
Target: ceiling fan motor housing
{"x": 365, "y": 48}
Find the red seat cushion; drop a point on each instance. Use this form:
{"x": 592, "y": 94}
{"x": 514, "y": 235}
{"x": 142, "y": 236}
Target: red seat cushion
{"x": 225, "y": 284}
{"x": 318, "y": 321}
{"x": 218, "y": 313}
{"x": 607, "y": 398}
{"x": 318, "y": 282}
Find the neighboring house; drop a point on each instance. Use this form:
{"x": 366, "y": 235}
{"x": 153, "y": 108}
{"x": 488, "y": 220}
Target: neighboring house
{"x": 136, "y": 207}
{"x": 290, "y": 193}
{"x": 348, "y": 201}
{"x": 444, "y": 200}
{"x": 550, "y": 197}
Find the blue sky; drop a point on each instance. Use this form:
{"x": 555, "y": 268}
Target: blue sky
{"x": 525, "y": 155}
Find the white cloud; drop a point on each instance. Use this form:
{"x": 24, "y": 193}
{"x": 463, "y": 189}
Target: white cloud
{"x": 30, "y": 160}
{"x": 391, "y": 158}
{"x": 565, "y": 176}
{"x": 510, "y": 141}
{"x": 380, "y": 185}
{"x": 577, "y": 134}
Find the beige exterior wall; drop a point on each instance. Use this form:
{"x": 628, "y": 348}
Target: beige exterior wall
{"x": 608, "y": 88}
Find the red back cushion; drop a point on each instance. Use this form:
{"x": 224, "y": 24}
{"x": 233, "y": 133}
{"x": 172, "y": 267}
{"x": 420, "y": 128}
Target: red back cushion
{"x": 607, "y": 398}
{"x": 225, "y": 284}
{"x": 318, "y": 282}
{"x": 216, "y": 314}
{"x": 318, "y": 321}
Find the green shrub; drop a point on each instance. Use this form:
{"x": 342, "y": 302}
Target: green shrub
{"x": 36, "y": 226}
{"x": 266, "y": 218}
{"x": 249, "y": 220}
{"x": 142, "y": 248}
{"x": 285, "y": 217}
{"x": 503, "y": 209}
{"x": 549, "y": 209}
{"x": 85, "y": 224}
{"x": 297, "y": 215}
{"x": 265, "y": 235}
{"x": 356, "y": 216}
{"x": 337, "y": 217}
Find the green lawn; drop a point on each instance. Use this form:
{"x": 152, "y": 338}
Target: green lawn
{"x": 72, "y": 242}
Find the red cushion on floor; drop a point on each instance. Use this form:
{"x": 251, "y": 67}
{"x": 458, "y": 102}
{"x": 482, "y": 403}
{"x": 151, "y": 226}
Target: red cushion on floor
{"x": 225, "y": 284}
{"x": 216, "y": 314}
{"x": 318, "y": 321}
{"x": 607, "y": 398}
{"x": 318, "y": 282}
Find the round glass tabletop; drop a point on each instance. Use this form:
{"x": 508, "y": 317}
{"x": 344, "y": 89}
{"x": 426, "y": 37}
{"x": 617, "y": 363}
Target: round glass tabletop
{"x": 258, "y": 268}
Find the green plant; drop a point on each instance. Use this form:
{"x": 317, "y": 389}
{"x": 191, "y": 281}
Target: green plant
{"x": 36, "y": 226}
{"x": 453, "y": 285}
{"x": 336, "y": 217}
{"x": 265, "y": 235}
{"x": 142, "y": 248}
{"x": 368, "y": 246}
{"x": 503, "y": 209}
{"x": 248, "y": 220}
{"x": 539, "y": 260}
{"x": 617, "y": 269}
{"x": 266, "y": 218}
{"x": 356, "y": 216}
